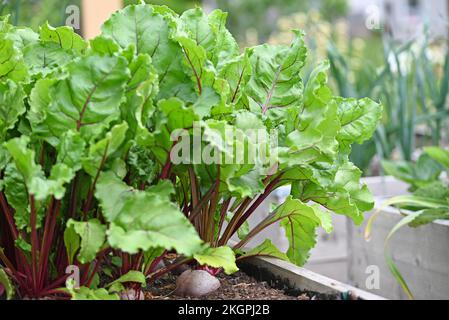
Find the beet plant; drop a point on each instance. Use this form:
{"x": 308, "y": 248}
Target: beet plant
{"x": 156, "y": 142}
{"x": 229, "y": 127}
{"x": 78, "y": 191}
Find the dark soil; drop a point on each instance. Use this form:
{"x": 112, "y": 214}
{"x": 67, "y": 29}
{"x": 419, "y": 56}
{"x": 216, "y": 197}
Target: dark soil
{"x": 238, "y": 286}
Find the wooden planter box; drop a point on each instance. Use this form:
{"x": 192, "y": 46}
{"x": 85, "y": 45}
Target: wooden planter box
{"x": 422, "y": 254}
{"x": 285, "y": 274}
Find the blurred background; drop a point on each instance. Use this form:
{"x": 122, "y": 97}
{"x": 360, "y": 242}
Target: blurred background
{"x": 393, "y": 51}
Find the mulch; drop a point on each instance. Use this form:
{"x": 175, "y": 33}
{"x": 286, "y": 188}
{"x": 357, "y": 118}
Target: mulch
{"x": 238, "y": 286}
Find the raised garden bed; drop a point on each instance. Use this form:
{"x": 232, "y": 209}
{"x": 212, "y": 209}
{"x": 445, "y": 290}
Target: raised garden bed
{"x": 421, "y": 254}
{"x": 297, "y": 278}
{"x": 238, "y": 286}
{"x": 268, "y": 279}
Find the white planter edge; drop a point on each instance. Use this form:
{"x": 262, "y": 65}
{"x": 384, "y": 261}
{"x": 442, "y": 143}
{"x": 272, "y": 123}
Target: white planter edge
{"x": 306, "y": 280}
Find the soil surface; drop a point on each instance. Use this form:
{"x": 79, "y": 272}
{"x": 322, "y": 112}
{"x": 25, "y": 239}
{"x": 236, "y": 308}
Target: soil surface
{"x": 238, "y": 286}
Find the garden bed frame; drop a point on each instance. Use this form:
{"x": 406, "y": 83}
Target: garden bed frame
{"x": 284, "y": 274}
{"x": 421, "y": 254}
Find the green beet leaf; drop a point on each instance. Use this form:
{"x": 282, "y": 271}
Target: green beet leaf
{"x": 144, "y": 219}
{"x": 221, "y": 257}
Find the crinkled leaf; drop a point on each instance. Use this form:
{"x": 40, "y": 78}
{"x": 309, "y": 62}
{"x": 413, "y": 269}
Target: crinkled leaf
{"x": 4, "y": 157}
{"x": 226, "y": 46}
{"x": 64, "y": 36}
{"x": 84, "y": 293}
{"x": 196, "y": 64}
{"x": 12, "y": 65}
{"x": 60, "y": 175}
{"x": 346, "y": 195}
{"x": 104, "y": 45}
{"x": 11, "y": 106}
{"x": 92, "y": 234}
{"x": 237, "y": 72}
{"x": 210, "y": 32}
{"x": 312, "y": 129}
{"x": 240, "y": 173}
{"x": 206, "y": 101}
{"x": 144, "y": 219}
{"x": 300, "y": 222}
{"x": 24, "y": 158}
{"x": 142, "y": 167}
{"x": 221, "y": 257}
{"x": 23, "y": 245}
{"x": 32, "y": 173}
{"x": 265, "y": 249}
{"x": 135, "y": 26}
{"x": 275, "y": 81}
{"x": 44, "y": 58}
{"x": 100, "y": 151}
{"x": 316, "y": 93}
{"x": 89, "y": 98}
{"x": 173, "y": 116}
{"x": 143, "y": 87}
{"x": 39, "y": 101}
{"x": 17, "y": 195}
{"x": 195, "y": 22}
{"x": 132, "y": 276}
{"x": 359, "y": 119}
{"x": 141, "y": 70}
{"x": 71, "y": 149}
{"x": 21, "y": 36}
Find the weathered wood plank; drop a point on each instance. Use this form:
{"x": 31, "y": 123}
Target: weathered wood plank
{"x": 421, "y": 255}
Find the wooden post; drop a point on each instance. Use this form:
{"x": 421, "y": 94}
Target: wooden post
{"x": 95, "y": 13}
